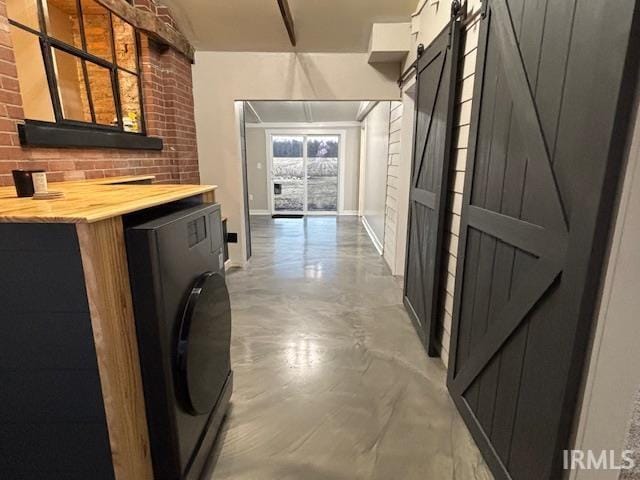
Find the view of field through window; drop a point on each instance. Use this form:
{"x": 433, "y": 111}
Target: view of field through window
{"x": 310, "y": 171}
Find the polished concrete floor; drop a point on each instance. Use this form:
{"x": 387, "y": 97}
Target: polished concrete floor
{"x": 331, "y": 381}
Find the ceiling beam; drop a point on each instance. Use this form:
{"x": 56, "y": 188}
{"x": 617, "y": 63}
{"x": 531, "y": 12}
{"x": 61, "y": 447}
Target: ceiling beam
{"x": 253, "y": 110}
{"x": 308, "y": 114}
{"x": 150, "y": 24}
{"x": 365, "y": 108}
{"x": 288, "y": 20}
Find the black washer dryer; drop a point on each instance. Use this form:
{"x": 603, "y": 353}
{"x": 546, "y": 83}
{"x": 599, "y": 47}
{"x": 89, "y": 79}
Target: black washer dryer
{"x": 183, "y": 323}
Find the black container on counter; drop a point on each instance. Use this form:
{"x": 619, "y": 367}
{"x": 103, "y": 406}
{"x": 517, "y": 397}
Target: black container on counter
{"x": 24, "y": 182}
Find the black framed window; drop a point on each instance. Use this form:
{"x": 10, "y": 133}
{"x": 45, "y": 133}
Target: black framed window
{"x": 78, "y": 65}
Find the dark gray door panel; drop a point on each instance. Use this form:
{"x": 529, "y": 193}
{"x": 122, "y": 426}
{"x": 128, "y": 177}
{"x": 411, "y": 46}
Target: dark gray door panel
{"x": 550, "y": 120}
{"x": 435, "y": 99}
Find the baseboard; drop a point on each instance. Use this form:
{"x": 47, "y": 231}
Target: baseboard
{"x": 372, "y": 236}
{"x": 231, "y": 264}
{"x": 343, "y": 212}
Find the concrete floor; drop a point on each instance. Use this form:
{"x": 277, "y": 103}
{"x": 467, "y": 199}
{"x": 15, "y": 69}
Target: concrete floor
{"x": 331, "y": 381}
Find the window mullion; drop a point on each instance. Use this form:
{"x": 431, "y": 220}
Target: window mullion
{"x": 49, "y": 69}
{"x": 115, "y": 85}
{"x": 52, "y": 80}
{"x": 143, "y": 126}
{"x": 87, "y": 86}
{"x": 305, "y": 154}
{"x": 85, "y": 70}
{"x": 115, "y": 81}
{"x": 41, "y": 18}
{"x": 83, "y": 38}
{"x": 65, "y": 47}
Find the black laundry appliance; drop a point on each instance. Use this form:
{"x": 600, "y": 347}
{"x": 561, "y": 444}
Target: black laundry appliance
{"x": 183, "y": 323}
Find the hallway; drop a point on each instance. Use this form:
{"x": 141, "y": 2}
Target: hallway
{"x": 331, "y": 381}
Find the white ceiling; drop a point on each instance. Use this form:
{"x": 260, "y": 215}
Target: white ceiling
{"x": 301, "y": 112}
{"x": 256, "y": 25}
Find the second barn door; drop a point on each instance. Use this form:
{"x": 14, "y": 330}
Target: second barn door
{"x": 548, "y": 127}
{"x": 435, "y": 92}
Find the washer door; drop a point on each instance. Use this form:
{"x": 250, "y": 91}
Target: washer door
{"x": 204, "y": 337}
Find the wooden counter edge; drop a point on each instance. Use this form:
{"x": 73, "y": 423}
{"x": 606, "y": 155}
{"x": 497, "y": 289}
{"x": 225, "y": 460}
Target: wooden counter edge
{"x": 104, "y": 261}
{"x": 106, "y": 180}
{"x": 210, "y": 196}
{"x": 99, "y": 213}
{"x": 206, "y": 191}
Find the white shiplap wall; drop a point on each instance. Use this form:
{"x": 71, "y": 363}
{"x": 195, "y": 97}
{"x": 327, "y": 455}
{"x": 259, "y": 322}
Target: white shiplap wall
{"x": 394, "y": 174}
{"x": 466, "y": 77}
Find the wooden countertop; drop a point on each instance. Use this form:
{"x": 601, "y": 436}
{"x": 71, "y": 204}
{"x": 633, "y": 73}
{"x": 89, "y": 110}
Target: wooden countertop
{"x": 109, "y": 180}
{"x": 92, "y": 201}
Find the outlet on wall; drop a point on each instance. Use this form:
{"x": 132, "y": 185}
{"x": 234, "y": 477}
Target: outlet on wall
{"x": 251, "y": 197}
{"x": 259, "y": 166}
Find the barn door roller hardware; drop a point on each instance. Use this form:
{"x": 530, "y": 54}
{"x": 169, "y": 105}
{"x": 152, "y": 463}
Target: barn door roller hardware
{"x": 458, "y": 11}
{"x": 411, "y": 69}
{"x": 288, "y": 20}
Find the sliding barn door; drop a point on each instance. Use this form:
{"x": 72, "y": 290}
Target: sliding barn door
{"x": 550, "y": 118}
{"x": 435, "y": 91}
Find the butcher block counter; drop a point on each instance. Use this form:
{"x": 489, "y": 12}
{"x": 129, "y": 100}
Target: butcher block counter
{"x": 94, "y": 200}
{"x": 71, "y": 371}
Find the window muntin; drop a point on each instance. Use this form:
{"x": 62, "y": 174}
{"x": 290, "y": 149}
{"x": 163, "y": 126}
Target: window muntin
{"x": 85, "y": 52}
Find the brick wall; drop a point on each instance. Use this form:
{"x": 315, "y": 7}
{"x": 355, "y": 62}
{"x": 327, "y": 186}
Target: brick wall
{"x": 168, "y": 98}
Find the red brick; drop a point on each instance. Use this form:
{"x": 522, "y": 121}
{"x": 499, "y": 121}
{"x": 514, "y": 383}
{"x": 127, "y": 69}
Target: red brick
{"x": 168, "y": 99}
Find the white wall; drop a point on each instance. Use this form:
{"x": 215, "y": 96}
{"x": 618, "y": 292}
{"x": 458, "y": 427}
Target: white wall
{"x": 374, "y": 182}
{"x": 258, "y": 175}
{"x": 221, "y": 77}
{"x": 400, "y": 166}
{"x": 393, "y": 183}
{"x": 257, "y": 170}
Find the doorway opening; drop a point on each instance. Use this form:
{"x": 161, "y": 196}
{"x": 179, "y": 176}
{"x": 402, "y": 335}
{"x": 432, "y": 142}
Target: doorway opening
{"x": 300, "y": 159}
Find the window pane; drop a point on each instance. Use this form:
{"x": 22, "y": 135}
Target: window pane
{"x": 97, "y": 29}
{"x": 61, "y": 17}
{"x": 125, "y": 44}
{"x": 286, "y": 146}
{"x": 130, "y": 101}
{"x": 36, "y": 98}
{"x": 71, "y": 88}
{"x": 102, "y": 94}
{"x": 24, "y": 12}
{"x": 322, "y": 172}
{"x": 287, "y": 173}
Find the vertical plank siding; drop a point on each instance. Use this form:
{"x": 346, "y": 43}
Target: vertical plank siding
{"x": 393, "y": 179}
{"x": 464, "y": 98}
{"x": 535, "y": 166}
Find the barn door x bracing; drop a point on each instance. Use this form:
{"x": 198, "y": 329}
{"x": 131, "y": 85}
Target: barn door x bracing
{"x": 549, "y": 121}
{"x": 435, "y": 91}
